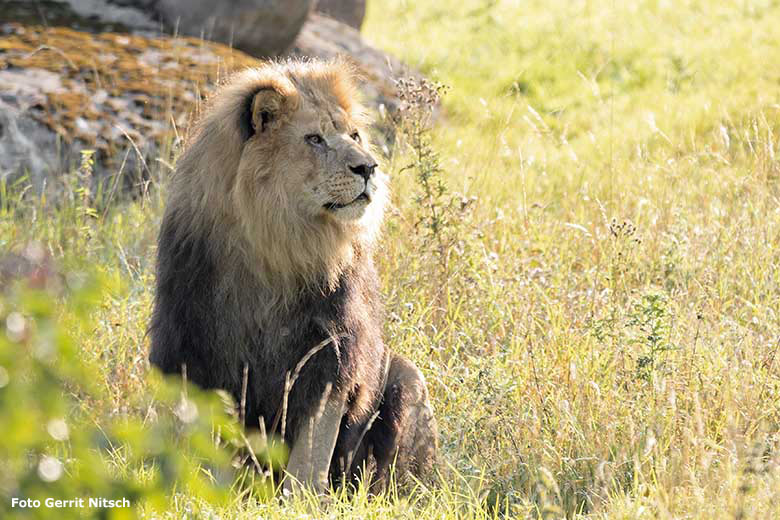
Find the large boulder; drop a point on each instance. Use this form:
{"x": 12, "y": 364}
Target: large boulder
{"x": 129, "y": 97}
{"x": 350, "y": 12}
{"x": 123, "y": 96}
{"x": 324, "y": 37}
{"x": 258, "y": 27}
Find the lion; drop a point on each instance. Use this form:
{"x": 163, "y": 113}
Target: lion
{"x": 266, "y": 285}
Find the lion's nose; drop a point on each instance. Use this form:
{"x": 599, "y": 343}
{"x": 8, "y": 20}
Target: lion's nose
{"x": 364, "y": 170}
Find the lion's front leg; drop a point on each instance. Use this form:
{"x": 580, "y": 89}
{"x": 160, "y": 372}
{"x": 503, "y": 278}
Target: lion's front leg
{"x": 312, "y": 449}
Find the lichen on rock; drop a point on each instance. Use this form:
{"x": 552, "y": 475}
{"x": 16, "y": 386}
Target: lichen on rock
{"x": 109, "y": 92}
{"x": 131, "y": 97}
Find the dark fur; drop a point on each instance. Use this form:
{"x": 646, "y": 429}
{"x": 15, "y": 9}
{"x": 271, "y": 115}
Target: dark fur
{"x": 211, "y": 315}
{"x": 208, "y": 330}
{"x": 403, "y": 433}
{"x": 197, "y": 325}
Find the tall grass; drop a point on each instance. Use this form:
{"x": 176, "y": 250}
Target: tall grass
{"x": 587, "y": 272}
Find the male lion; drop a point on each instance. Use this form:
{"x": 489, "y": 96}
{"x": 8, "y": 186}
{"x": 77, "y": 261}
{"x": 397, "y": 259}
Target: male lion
{"x": 265, "y": 264}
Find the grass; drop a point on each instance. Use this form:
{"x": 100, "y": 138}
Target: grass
{"x": 598, "y": 315}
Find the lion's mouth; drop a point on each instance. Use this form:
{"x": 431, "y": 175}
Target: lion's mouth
{"x": 332, "y": 206}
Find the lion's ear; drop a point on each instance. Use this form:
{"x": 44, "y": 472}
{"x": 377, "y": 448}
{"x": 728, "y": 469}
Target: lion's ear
{"x": 268, "y": 107}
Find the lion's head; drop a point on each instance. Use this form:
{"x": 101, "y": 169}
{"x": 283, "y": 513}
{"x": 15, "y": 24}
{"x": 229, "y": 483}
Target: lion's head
{"x": 281, "y": 158}
{"x": 308, "y": 150}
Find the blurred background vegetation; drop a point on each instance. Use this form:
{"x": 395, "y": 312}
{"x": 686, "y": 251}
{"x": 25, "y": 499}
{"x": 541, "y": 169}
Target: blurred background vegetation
{"x": 582, "y": 256}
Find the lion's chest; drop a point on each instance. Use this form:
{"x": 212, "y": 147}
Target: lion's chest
{"x": 321, "y": 341}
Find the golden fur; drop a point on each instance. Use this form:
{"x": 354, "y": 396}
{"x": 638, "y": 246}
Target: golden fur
{"x": 265, "y": 188}
{"x": 264, "y": 256}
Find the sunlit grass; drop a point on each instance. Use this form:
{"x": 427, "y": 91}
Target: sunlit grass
{"x": 604, "y": 340}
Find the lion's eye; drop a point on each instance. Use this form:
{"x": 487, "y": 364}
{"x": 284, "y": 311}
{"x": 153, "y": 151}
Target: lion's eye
{"x": 315, "y": 139}
{"x": 356, "y": 136}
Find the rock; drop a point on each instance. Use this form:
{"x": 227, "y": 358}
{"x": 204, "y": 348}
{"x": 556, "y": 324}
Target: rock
{"x": 130, "y": 98}
{"x": 26, "y": 144}
{"x": 258, "y": 27}
{"x": 92, "y": 15}
{"x": 350, "y": 12}
{"x": 323, "y": 37}
{"x": 123, "y": 96}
